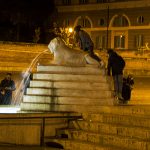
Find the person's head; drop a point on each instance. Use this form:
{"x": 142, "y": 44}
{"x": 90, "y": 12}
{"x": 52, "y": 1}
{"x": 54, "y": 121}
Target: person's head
{"x": 8, "y": 76}
{"x": 77, "y": 28}
{"x": 110, "y": 51}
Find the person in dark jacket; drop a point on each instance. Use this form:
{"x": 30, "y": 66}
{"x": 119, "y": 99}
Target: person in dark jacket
{"x": 7, "y": 85}
{"x": 115, "y": 68}
{"x": 84, "y": 41}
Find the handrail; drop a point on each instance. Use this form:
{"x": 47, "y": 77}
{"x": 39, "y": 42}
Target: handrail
{"x": 42, "y": 123}
{"x": 19, "y": 94}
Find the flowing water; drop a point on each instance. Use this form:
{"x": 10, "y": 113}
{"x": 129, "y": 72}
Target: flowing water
{"x": 26, "y": 79}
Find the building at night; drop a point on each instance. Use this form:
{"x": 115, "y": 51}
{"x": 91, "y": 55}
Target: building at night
{"x": 119, "y": 24}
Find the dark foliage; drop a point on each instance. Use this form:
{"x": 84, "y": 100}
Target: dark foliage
{"x": 20, "y": 18}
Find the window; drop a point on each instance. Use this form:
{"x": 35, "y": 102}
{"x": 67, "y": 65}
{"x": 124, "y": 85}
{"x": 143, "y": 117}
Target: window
{"x": 139, "y": 41}
{"x": 84, "y": 22}
{"x": 101, "y": 22}
{"x": 100, "y": 42}
{"x": 140, "y": 19}
{"x": 66, "y": 2}
{"x": 83, "y": 1}
{"x": 119, "y": 41}
{"x": 102, "y": 1}
{"x": 66, "y": 23}
{"x": 120, "y": 21}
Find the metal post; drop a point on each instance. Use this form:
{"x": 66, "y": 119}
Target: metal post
{"x": 42, "y": 132}
{"x": 107, "y": 26}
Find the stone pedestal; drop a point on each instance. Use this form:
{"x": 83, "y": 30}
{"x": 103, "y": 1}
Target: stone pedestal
{"x": 65, "y": 88}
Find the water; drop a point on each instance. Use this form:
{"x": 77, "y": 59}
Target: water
{"x": 21, "y": 90}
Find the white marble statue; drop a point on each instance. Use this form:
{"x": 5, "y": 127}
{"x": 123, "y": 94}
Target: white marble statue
{"x": 64, "y": 55}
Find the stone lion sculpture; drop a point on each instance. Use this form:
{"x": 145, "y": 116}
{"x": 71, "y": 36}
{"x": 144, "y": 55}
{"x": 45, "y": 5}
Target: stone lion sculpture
{"x": 64, "y": 55}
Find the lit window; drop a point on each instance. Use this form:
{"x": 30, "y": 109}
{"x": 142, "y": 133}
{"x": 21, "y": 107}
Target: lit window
{"x": 119, "y": 41}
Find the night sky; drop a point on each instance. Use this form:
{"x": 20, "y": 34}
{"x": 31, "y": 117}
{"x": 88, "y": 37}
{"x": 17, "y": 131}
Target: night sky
{"x": 20, "y": 18}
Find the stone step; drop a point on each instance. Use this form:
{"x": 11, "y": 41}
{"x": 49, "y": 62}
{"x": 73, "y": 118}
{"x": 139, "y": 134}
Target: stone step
{"x": 139, "y": 102}
{"x": 120, "y": 130}
{"x": 71, "y": 70}
{"x": 81, "y": 145}
{"x": 70, "y": 93}
{"x": 69, "y": 77}
{"x": 64, "y": 107}
{"x": 36, "y": 107}
{"x": 104, "y": 108}
{"x": 13, "y": 64}
{"x": 126, "y": 120}
{"x": 63, "y": 100}
{"x": 70, "y": 85}
{"x": 105, "y": 139}
{"x": 24, "y": 147}
{"x": 138, "y": 110}
{"x": 141, "y": 94}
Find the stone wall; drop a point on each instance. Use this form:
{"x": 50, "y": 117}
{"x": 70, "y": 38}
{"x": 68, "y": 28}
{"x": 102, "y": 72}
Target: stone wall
{"x": 17, "y": 58}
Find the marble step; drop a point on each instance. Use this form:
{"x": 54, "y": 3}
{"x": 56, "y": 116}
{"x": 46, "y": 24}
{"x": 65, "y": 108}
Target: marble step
{"x": 120, "y": 130}
{"x": 70, "y": 144}
{"x": 126, "y": 120}
{"x": 70, "y": 93}
{"x": 63, "y": 100}
{"x": 70, "y": 85}
{"x": 71, "y": 70}
{"x": 105, "y": 139}
{"x": 70, "y": 77}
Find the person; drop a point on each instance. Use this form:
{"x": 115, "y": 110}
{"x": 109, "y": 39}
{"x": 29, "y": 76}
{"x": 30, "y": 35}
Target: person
{"x": 84, "y": 41}
{"x": 7, "y": 85}
{"x": 128, "y": 83}
{"x": 115, "y": 68}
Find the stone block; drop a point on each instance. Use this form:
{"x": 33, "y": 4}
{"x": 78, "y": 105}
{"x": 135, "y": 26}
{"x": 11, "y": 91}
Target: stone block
{"x": 70, "y": 70}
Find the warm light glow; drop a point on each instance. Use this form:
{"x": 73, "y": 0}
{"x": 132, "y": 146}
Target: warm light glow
{"x": 9, "y": 109}
{"x": 70, "y": 30}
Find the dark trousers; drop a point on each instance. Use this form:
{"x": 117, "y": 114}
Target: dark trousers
{"x": 91, "y": 53}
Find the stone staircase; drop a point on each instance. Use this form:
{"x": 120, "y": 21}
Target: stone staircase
{"x": 87, "y": 90}
{"x": 112, "y": 128}
{"x": 64, "y": 88}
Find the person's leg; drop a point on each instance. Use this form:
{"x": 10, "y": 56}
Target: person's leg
{"x": 94, "y": 56}
{"x": 115, "y": 85}
{"x": 120, "y": 85}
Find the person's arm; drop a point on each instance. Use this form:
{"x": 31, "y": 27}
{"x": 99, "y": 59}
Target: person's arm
{"x": 108, "y": 67}
{"x": 12, "y": 86}
{"x": 82, "y": 40}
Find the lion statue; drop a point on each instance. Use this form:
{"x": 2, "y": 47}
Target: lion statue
{"x": 64, "y": 55}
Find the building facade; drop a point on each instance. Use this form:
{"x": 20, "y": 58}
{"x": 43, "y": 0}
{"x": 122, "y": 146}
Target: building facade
{"x": 119, "y": 24}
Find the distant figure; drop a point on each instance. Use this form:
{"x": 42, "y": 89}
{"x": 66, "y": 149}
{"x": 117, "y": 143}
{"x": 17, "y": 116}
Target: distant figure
{"x": 115, "y": 68}
{"x": 84, "y": 41}
{"x": 7, "y": 85}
